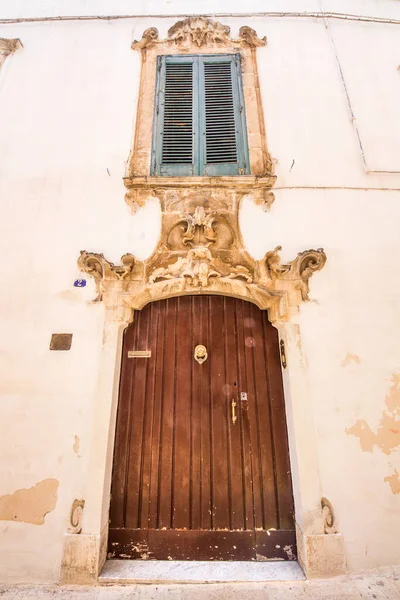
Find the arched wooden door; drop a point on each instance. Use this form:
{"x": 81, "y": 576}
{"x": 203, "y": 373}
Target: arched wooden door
{"x": 201, "y": 462}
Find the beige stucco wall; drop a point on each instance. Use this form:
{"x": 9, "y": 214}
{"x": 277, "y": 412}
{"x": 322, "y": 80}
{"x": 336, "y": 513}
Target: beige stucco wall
{"x": 67, "y": 112}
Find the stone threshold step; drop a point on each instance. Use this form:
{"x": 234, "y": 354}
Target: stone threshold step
{"x": 159, "y": 571}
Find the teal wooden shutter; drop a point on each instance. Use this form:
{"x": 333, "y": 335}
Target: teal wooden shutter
{"x": 223, "y": 121}
{"x": 176, "y": 108}
{"x": 199, "y": 124}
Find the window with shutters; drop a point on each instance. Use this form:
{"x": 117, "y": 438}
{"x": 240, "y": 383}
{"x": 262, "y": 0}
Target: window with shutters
{"x": 199, "y": 122}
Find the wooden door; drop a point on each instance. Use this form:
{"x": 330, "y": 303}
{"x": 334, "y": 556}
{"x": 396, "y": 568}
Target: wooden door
{"x": 201, "y": 462}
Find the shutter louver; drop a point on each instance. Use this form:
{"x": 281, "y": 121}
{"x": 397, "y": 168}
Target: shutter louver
{"x": 221, "y": 146}
{"x": 177, "y": 145}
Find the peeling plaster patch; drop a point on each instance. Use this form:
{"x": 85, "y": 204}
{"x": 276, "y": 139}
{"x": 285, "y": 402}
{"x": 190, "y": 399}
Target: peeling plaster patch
{"x": 387, "y": 436}
{"x": 30, "y": 505}
{"x": 76, "y": 445}
{"x": 394, "y": 482}
{"x": 351, "y": 358}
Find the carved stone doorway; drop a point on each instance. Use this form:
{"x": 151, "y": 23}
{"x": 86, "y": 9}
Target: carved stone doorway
{"x": 201, "y": 463}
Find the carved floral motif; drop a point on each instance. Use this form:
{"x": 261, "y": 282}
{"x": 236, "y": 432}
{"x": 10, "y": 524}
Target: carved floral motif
{"x": 199, "y": 31}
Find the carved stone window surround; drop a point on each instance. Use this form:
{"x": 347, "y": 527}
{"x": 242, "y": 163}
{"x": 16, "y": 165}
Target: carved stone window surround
{"x": 7, "y": 47}
{"x": 198, "y": 35}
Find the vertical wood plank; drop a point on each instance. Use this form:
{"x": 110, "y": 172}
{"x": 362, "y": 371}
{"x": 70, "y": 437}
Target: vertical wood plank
{"x": 219, "y": 442}
{"x": 243, "y": 421}
{"x": 159, "y": 358}
{"x": 205, "y": 418}
{"x": 231, "y": 391}
{"x": 168, "y": 417}
{"x": 182, "y": 427}
{"x": 283, "y": 480}
{"x": 123, "y": 426}
{"x": 133, "y": 482}
{"x": 148, "y": 423}
{"x": 261, "y": 424}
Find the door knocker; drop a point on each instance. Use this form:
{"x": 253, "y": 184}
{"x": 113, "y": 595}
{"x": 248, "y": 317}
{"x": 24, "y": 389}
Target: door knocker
{"x": 200, "y": 354}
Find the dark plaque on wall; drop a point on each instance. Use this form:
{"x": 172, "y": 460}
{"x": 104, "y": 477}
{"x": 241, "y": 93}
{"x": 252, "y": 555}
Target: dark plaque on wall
{"x": 61, "y": 341}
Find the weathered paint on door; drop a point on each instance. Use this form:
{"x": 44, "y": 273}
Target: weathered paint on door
{"x": 201, "y": 463}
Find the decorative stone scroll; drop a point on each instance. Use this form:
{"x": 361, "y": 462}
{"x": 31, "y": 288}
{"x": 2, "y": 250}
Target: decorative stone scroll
{"x": 76, "y": 516}
{"x": 199, "y": 31}
{"x": 7, "y": 47}
{"x": 201, "y": 252}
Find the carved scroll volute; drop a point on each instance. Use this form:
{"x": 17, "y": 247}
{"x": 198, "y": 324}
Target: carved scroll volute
{"x": 76, "y": 516}
{"x": 298, "y": 271}
{"x": 7, "y": 47}
{"x": 328, "y": 516}
{"x": 101, "y": 269}
{"x": 250, "y": 37}
{"x": 149, "y": 38}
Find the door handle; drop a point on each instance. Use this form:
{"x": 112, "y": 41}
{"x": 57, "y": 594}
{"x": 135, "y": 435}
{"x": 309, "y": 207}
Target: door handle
{"x": 234, "y": 417}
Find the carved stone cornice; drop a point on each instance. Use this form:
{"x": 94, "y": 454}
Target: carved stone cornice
{"x": 7, "y": 47}
{"x": 199, "y": 32}
{"x": 170, "y": 190}
{"x": 201, "y": 251}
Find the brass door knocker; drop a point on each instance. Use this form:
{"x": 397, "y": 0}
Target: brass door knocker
{"x": 200, "y": 354}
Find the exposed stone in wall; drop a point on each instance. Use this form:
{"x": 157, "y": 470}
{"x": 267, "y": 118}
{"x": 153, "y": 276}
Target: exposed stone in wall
{"x": 30, "y": 505}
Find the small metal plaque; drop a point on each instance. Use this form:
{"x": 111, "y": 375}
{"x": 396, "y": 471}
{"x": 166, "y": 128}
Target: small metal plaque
{"x": 243, "y": 396}
{"x": 61, "y": 341}
{"x": 139, "y": 353}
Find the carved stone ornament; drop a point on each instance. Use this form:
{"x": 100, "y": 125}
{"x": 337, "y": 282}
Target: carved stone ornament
{"x": 8, "y": 46}
{"x": 328, "y": 516}
{"x": 200, "y": 31}
{"x": 201, "y": 252}
{"x": 76, "y": 516}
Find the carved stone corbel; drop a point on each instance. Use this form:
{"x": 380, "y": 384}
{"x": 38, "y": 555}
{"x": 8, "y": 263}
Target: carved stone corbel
{"x": 250, "y": 37}
{"x": 298, "y": 270}
{"x": 149, "y": 38}
{"x": 7, "y": 47}
{"x": 102, "y": 270}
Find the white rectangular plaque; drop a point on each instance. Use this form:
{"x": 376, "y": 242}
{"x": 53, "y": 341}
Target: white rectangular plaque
{"x": 139, "y": 353}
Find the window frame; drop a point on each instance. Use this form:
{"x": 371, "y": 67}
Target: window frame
{"x": 199, "y": 166}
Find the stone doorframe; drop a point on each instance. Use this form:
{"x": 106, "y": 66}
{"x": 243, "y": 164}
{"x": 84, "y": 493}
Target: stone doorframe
{"x": 201, "y": 251}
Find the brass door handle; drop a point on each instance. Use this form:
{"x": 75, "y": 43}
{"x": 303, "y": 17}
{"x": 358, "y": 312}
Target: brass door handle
{"x": 234, "y": 417}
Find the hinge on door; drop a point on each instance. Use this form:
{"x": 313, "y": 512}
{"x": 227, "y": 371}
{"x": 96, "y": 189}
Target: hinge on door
{"x": 283, "y": 354}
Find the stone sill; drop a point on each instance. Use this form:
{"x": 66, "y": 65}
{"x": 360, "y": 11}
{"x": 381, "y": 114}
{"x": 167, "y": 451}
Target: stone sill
{"x": 122, "y": 572}
{"x": 242, "y": 182}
